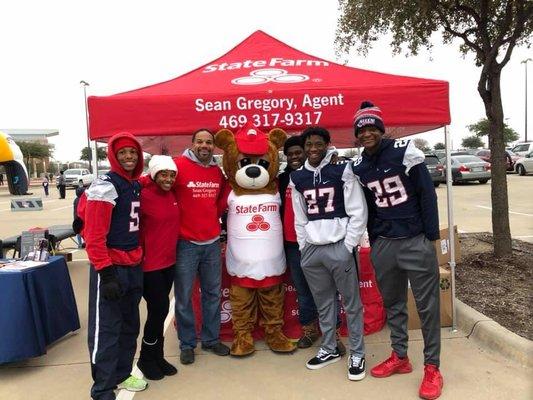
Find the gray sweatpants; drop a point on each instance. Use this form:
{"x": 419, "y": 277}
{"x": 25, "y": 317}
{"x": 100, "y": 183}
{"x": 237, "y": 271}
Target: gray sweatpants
{"x": 395, "y": 261}
{"x": 328, "y": 268}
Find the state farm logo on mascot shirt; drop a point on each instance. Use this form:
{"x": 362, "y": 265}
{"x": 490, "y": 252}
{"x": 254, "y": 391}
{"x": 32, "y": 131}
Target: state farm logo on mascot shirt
{"x": 258, "y": 222}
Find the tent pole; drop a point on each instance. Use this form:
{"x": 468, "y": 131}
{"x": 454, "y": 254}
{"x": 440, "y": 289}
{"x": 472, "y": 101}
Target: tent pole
{"x": 451, "y": 232}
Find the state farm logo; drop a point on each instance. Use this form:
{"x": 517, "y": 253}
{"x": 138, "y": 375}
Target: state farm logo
{"x": 258, "y": 222}
{"x": 225, "y": 312}
{"x": 198, "y": 184}
{"x": 276, "y": 75}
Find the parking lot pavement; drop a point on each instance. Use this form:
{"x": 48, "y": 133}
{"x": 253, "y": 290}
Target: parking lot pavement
{"x": 64, "y": 372}
{"x": 472, "y": 206}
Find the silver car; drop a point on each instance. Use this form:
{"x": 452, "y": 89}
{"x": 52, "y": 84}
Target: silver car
{"x": 467, "y": 168}
{"x": 524, "y": 165}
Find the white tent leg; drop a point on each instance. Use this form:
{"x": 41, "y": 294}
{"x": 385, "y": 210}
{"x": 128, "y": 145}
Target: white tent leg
{"x": 451, "y": 233}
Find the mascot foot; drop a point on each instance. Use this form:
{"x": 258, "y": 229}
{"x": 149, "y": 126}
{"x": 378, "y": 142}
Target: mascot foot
{"x": 243, "y": 344}
{"x": 278, "y": 342}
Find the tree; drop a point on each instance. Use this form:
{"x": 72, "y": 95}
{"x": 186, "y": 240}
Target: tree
{"x": 101, "y": 154}
{"x": 472, "y": 142}
{"x": 439, "y": 146}
{"x": 490, "y": 29}
{"x": 482, "y": 127}
{"x": 32, "y": 150}
{"x": 422, "y": 144}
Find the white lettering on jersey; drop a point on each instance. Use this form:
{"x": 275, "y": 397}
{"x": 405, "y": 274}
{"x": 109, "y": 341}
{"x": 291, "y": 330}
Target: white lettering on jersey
{"x": 400, "y": 143}
{"x": 311, "y": 196}
{"x": 134, "y": 215}
{"x": 390, "y": 192}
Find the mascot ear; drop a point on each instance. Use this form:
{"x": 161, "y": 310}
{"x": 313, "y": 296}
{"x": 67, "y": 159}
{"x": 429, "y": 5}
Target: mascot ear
{"x": 277, "y": 137}
{"x": 224, "y": 138}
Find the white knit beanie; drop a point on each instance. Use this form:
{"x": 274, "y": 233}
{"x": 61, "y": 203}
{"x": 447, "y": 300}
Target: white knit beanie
{"x": 160, "y": 163}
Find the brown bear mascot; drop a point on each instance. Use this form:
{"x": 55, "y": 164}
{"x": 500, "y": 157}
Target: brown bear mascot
{"x": 255, "y": 258}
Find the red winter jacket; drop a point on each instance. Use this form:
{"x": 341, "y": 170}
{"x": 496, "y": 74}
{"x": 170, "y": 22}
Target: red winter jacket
{"x": 159, "y": 225}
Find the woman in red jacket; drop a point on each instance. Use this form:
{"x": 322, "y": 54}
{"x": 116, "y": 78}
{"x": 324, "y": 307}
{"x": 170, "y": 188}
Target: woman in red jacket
{"x": 159, "y": 235}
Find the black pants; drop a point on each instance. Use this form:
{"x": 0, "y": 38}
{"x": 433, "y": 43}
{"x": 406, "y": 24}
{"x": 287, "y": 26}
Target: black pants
{"x": 157, "y": 285}
{"x": 113, "y": 331}
{"x": 62, "y": 191}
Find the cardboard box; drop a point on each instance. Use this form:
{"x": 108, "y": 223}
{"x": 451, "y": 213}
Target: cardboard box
{"x": 442, "y": 246}
{"x": 445, "y": 302}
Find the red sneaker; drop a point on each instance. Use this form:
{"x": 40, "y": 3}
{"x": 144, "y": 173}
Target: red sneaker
{"x": 432, "y": 383}
{"x": 392, "y": 365}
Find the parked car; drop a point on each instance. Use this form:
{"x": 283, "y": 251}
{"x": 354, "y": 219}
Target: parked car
{"x": 521, "y": 149}
{"x": 467, "y": 168}
{"x": 510, "y": 157}
{"x": 78, "y": 177}
{"x": 435, "y": 168}
{"x": 524, "y": 165}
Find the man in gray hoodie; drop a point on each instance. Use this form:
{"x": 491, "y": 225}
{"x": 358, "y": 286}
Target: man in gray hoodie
{"x": 200, "y": 192}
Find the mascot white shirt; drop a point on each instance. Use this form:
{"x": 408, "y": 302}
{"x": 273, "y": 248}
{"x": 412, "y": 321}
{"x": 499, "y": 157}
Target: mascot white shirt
{"x": 255, "y": 236}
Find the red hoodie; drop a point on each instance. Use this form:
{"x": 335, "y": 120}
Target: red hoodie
{"x": 201, "y": 192}
{"x": 159, "y": 225}
{"x": 98, "y": 211}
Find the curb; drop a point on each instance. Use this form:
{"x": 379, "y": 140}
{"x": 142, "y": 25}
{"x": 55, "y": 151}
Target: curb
{"x": 492, "y": 335}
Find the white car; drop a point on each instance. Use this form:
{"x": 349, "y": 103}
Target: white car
{"x": 76, "y": 177}
{"x": 522, "y": 149}
{"x": 524, "y": 165}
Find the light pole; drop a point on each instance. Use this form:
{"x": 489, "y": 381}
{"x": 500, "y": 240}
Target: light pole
{"x": 89, "y": 155}
{"x": 525, "y": 95}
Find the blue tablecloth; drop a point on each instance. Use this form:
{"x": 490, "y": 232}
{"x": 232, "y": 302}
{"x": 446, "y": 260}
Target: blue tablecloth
{"x": 37, "y": 307}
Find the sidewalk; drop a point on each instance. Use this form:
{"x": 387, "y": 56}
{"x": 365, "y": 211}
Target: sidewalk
{"x": 470, "y": 370}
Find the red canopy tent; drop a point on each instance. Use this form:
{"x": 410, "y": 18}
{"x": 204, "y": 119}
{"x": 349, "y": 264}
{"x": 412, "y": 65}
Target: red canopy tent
{"x": 265, "y": 81}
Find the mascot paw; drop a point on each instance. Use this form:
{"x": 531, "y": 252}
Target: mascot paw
{"x": 243, "y": 344}
{"x": 278, "y": 342}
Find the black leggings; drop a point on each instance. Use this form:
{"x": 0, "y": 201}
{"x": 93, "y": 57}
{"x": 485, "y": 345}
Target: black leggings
{"x": 157, "y": 285}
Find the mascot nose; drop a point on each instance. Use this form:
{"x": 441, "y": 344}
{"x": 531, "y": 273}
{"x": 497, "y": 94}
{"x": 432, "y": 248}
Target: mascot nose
{"x": 253, "y": 172}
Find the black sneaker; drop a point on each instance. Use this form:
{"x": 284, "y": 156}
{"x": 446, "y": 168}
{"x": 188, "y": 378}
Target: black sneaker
{"x": 187, "y": 356}
{"x": 218, "y": 348}
{"x": 322, "y": 359}
{"x": 356, "y": 368}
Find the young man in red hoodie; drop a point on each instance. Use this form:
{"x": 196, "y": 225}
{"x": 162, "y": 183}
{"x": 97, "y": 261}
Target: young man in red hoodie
{"x": 200, "y": 186}
{"x": 111, "y": 233}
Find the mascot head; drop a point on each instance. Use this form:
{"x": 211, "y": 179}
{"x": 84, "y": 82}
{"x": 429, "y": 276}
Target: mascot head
{"x": 250, "y": 158}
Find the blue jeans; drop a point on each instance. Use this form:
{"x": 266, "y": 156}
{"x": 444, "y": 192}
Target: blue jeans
{"x": 204, "y": 261}
{"x": 307, "y": 312}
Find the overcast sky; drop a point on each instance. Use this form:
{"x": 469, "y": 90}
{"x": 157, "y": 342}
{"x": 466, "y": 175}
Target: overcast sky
{"x": 47, "y": 47}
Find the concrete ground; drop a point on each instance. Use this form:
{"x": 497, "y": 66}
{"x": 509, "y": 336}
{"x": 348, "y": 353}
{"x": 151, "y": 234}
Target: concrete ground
{"x": 470, "y": 370}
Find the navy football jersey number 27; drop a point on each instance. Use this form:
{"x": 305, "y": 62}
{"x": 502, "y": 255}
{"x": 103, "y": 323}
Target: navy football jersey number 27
{"x": 388, "y": 191}
{"x": 320, "y": 198}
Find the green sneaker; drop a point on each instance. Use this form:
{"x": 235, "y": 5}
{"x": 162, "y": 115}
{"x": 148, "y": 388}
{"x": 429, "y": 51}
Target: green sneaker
{"x": 133, "y": 384}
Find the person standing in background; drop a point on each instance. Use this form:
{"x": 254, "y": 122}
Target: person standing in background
{"x": 61, "y": 185}
{"x": 45, "y": 184}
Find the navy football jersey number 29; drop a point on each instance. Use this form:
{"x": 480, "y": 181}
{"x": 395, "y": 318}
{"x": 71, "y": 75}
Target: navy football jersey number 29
{"x": 320, "y": 197}
{"x": 388, "y": 191}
